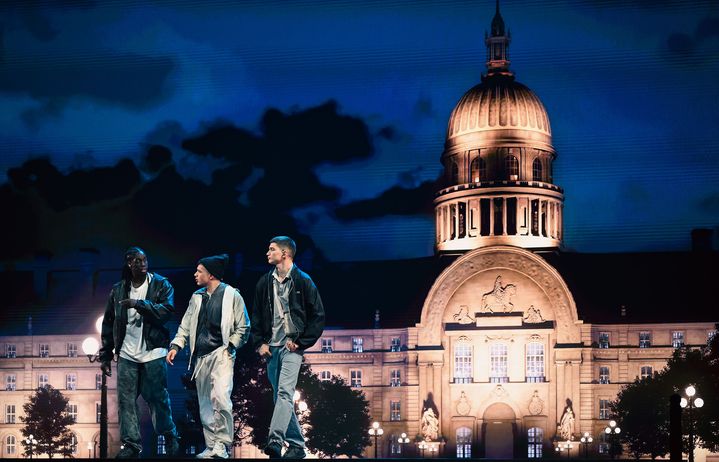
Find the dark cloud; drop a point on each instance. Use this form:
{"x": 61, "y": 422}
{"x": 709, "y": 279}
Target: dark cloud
{"x": 423, "y": 107}
{"x": 394, "y": 201}
{"x": 708, "y": 28}
{"x": 709, "y": 204}
{"x": 389, "y": 133}
{"x": 699, "y": 45}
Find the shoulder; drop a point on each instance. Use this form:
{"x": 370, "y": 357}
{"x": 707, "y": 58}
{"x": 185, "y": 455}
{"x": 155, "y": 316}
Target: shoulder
{"x": 160, "y": 279}
{"x": 262, "y": 281}
{"x": 300, "y": 275}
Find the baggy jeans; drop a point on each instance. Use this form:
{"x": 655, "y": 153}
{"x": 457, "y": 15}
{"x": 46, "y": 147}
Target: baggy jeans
{"x": 283, "y": 369}
{"x": 213, "y": 376}
{"x": 149, "y": 380}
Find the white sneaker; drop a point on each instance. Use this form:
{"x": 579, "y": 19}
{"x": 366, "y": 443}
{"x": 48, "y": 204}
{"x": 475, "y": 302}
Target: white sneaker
{"x": 206, "y": 454}
{"x": 220, "y": 451}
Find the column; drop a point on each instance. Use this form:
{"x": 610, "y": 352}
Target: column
{"x": 504, "y": 216}
{"x": 491, "y": 216}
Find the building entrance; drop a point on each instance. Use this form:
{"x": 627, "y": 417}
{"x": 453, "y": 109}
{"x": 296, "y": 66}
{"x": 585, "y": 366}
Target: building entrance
{"x": 498, "y": 432}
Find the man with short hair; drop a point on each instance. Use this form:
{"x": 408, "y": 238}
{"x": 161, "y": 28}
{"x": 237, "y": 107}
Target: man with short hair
{"x": 287, "y": 318}
{"x": 216, "y": 324}
{"x": 133, "y": 328}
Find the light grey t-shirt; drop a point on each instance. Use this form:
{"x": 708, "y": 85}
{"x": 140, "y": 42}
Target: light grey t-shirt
{"x": 281, "y": 295}
{"x": 134, "y": 347}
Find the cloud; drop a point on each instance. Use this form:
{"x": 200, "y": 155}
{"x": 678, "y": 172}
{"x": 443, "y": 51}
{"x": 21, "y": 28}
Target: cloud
{"x": 709, "y": 204}
{"x": 699, "y": 45}
{"x": 394, "y": 201}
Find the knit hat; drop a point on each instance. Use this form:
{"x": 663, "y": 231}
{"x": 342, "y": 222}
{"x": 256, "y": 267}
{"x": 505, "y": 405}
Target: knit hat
{"x": 215, "y": 264}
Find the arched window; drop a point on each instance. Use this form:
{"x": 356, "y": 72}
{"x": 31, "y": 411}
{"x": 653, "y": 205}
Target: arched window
{"x": 464, "y": 443}
{"x": 10, "y": 445}
{"x": 478, "y": 169}
{"x": 498, "y": 363}
{"x": 537, "y": 170}
{"x": 463, "y": 362}
{"x": 454, "y": 173}
{"x": 535, "y": 362}
{"x": 73, "y": 443}
{"x": 535, "y": 435}
{"x": 511, "y": 166}
{"x": 647, "y": 371}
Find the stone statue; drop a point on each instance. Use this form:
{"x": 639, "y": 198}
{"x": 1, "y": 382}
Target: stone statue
{"x": 462, "y": 316}
{"x": 536, "y": 405}
{"x": 498, "y": 299}
{"x": 566, "y": 424}
{"x": 430, "y": 425}
{"x": 533, "y": 315}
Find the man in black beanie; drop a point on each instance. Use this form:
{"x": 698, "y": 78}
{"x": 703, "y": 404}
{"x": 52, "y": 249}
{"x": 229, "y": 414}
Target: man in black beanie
{"x": 216, "y": 324}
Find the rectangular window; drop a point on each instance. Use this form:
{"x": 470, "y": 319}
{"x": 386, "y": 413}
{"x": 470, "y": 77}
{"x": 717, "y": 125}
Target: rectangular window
{"x": 72, "y": 350}
{"x": 326, "y": 345}
{"x": 98, "y": 412}
{"x": 498, "y": 363}
{"x": 10, "y": 351}
{"x": 356, "y": 378}
{"x": 603, "y": 374}
{"x": 604, "y": 340}
{"x": 71, "y": 382}
{"x": 677, "y": 339}
{"x": 10, "y": 382}
{"x": 395, "y": 413}
{"x": 603, "y": 409}
{"x": 9, "y": 413}
{"x": 535, "y": 435}
{"x": 647, "y": 371}
{"x": 535, "y": 362}
{"x": 161, "y": 449}
{"x": 42, "y": 380}
{"x": 325, "y": 376}
{"x": 395, "y": 379}
{"x": 645, "y": 339}
{"x": 462, "y": 362}
{"x": 357, "y": 344}
{"x": 98, "y": 381}
{"x": 44, "y": 350}
{"x": 10, "y": 442}
{"x": 395, "y": 344}
{"x": 464, "y": 443}
{"x": 603, "y": 445}
{"x": 72, "y": 411}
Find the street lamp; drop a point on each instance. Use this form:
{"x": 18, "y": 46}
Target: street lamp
{"x": 612, "y": 431}
{"x": 402, "y": 440}
{"x": 375, "y": 432}
{"x": 91, "y": 347}
{"x": 691, "y": 403}
{"x": 568, "y": 447}
{"x": 30, "y": 441}
{"x": 586, "y": 440}
{"x": 422, "y": 446}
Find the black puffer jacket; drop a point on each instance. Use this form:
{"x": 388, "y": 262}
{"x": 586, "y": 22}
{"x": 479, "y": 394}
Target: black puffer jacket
{"x": 306, "y": 310}
{"x": 157, "y": 308}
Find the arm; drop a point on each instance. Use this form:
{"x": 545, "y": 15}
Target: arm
{"x": 241, "y": 329}
{"x": 315, "y": 317}
{"x": 183, "y": 330}
{"x": 160, "y": 310}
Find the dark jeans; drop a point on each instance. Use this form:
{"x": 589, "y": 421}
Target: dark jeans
{"x": 149, "y": 380}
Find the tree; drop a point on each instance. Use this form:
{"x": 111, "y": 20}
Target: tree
{"x": 47, "y": 419}
{"x": 190, "y": 427}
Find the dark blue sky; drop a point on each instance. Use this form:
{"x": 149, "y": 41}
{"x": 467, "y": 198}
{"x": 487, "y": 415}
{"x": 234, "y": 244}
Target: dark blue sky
{"x": 630, "y": 87}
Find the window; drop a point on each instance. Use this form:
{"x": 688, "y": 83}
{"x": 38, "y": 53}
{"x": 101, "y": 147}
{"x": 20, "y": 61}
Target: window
{"x": 478, "y": 169}
{"x": 395, "y": 412}
{"x": 326, "y": 345}
{"x": 71, "y": 382}
{"x": 73, "y": 443}
{"x": 647, "y": 371}
{"x": 357, "y": 344}
{"x": 98, "y": 413}
{"x": 498, "y": 363}
{"x": 603, "y": 374}
{"x": 511, "y": 165}
{"x": 536, "y": 171}
{"x": 645, "y": 339}
{"x": 603, "y": 445}
{"x": 395, "y": 447}
{"x": 190, "y": 451}
{"x": 356, "y": 378}
{"x": 10, "y": 445}
{"x": 9, "y": 413}
{"x": 10, "y": 351}
{"x": 42, "y": 380}
{"x": 395, "y": 378}
{"x": 72, "y": 411}
{"x": 98, "y": 381}
{"x": 535, "y": 362}
{"x": 603, "y": 409}
{"x": 604, "y": 340}
{"x": 464, "y": 443}
{"x": 710, "y": 335}
{"x": 454, "y": 173}
{"x": 44, "y": 350}
{"x": 677, "y": 339}
{"x": 10, "y": 382}
{"x": 325, "y": 376}
{"x": 463, "y": 362}
{"x": 535, "y": 435}
{"x": 395, "y": 344}
{"x": 161, "y": 449}
{"x": 72, "y": 350}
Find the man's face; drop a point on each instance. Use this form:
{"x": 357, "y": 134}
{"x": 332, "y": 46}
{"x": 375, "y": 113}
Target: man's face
{"x": 275, "y": 254}
{"x": 138, "y": 265}
{"x": 202, "y": 276}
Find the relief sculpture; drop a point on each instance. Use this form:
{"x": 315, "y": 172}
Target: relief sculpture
{"x": 533, "y": 315}
{"x": 462, "y": 316}
{"x": 498, "y": 300}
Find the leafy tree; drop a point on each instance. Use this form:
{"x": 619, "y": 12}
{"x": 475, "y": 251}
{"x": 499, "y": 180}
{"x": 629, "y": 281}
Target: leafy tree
{"x": 47, "y": 419}
{"x": 190, "y": 427}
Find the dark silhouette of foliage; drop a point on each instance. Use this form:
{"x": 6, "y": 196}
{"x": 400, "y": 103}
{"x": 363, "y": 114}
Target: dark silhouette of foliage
{"x": 47, "y": 420}
{"x": 189, "y": 426}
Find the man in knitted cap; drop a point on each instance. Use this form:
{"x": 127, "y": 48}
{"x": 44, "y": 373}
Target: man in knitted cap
{"x": 216, "y": 324}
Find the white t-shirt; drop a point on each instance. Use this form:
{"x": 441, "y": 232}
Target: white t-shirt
{"x": 133, "y": 346}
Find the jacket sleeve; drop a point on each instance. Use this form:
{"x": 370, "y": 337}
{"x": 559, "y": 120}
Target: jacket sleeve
{"x": 160, "y": 310}
{"x": 183, "y": 330}
{"x": 241, "y": 329}
{"x": 256, "y": 337}
{"x": 107, "y": 335}
{"x": 315, "y": 317}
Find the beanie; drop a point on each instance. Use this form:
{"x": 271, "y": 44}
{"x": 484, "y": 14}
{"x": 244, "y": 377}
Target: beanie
{"x": 215, "y": 264}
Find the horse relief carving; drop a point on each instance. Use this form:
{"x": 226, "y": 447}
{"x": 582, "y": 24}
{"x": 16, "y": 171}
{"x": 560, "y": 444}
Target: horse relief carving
{"x": 499, "y": 299}
{"x": 462, "y": 316}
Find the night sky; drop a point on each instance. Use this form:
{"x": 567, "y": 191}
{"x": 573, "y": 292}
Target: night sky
{"x": 326, "y": 120}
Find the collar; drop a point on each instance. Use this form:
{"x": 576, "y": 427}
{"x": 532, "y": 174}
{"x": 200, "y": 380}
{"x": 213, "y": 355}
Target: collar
{"x": 277, "y": 277}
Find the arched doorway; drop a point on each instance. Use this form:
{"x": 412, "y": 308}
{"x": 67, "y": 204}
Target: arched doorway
{"x": 498, "y": 431}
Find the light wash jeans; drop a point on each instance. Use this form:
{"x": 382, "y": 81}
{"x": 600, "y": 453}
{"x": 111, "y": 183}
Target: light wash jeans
{"x": 283, "y": 368}
{"x": 213, "y": 376}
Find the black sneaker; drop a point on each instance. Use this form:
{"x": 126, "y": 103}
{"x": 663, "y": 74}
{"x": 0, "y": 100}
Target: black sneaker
{"x": 273, "y": 450}
{"x": 128, "y": 452}
{"x": 294, "y": 452}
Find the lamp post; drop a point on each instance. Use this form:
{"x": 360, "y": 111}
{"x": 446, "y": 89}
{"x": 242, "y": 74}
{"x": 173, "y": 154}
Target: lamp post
{"x": 402, "y": 440}
{"x": 612, "y": 431}
{"x": 375, "y": 432}
{"x": 692, "y": 401}
{"x": 91, "y": 347}
{"x": 30, "y": 441}
{"x": 422, "y": 446}
{"x": 568, "y": 447}
{"x": 586, "y": 440}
